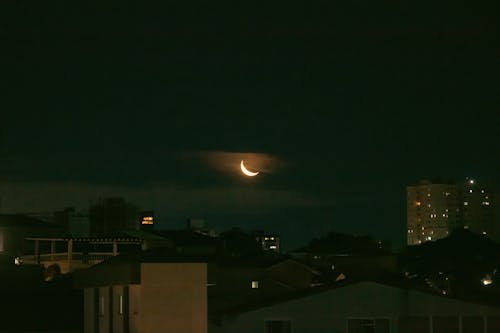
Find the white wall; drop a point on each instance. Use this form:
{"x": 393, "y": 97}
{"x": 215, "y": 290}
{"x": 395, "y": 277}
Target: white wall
{"x": 328, "y": 312}
{"x": 173, "y": 298}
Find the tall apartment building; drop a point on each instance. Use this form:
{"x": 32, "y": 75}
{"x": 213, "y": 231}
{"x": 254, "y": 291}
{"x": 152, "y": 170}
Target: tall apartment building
{"x": 434, "y": 209}
{"x": 477, "y": 208}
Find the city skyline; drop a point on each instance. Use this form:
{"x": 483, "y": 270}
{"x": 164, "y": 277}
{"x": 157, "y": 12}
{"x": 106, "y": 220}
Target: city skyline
{"x": 346, "y": 103}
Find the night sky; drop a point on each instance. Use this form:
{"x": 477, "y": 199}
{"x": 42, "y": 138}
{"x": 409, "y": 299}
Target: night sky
{"x": 340, "y": 105}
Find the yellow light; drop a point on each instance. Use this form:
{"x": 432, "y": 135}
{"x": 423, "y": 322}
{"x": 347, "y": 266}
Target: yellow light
{"x": 418, "y": 203}
{"x": 246, "y": 171}
{"x": 487, "y": 281}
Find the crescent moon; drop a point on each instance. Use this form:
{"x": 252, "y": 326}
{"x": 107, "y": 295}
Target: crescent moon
{"x": 246, "y": 171}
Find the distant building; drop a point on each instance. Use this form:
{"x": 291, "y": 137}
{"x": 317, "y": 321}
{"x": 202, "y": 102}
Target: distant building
{"x": 112, "y": 214}
{"x": 268, "y": 241}
{"x": 76, "y": 224}
{"x": 434, "y": 209}
{"x": 147, "y": 220}
{"x": 144, "y": 294}
{"x": 496, "y": 216}
{"x": 477, "y": 208}
{"x": 196, "y": 224}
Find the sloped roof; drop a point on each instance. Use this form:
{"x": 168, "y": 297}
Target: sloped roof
{"x": 185, "y": 237}
{"x": 394, "y": 282}
{"x": 141, "y": 234}
{"x": 23, "y": 221}
{"x": 125, "y": 268}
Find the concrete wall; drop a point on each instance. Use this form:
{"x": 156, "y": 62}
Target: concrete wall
{"x": 88, "y": 310}
{"x": 103, "y": 311}
{"x": 173, "y": 298}
{"x": 134, "y": 306}
{"x": 118, "y": 317}
{"x": 329, "y": 311}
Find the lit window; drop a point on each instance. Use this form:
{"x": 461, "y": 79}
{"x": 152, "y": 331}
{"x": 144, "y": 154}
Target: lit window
{"x": 255, "y": 284}
{"x": 482, "y": 191}
{"x": 418, "y": 203}
{"x": 428, "y": 205}
{"x": 121, "y": 304}
{"x": 428, "y": 194}
{"x": 470, "y": 191}
{"x": 484, "y": 232}
{"x": 471, "y": 181}
{"x": 485, "y": 203}
{"x": 466, "y": 203}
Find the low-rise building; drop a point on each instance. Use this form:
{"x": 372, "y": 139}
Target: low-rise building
{"x": 14, "y": 229}
{"x": 145, "y": 293}
{"x": 360, "y": 307}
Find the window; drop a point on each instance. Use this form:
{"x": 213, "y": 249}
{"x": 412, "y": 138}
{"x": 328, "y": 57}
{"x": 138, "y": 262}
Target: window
{"x": 255, "y": 284}
{"x": 101, "y": 306}
{"x": 413, "y": 324}
{"x": 445, "y": 324}
{"x": 278, "y": 326}
{"x": 368, "y": 326}
{"x": 121, "y": 305}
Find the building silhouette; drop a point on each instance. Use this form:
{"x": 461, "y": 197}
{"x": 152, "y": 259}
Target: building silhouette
{"x": 112, "y": 214}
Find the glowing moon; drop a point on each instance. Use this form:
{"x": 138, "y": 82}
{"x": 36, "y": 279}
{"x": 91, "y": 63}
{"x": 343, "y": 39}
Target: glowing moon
{"x": 246, "y": 171}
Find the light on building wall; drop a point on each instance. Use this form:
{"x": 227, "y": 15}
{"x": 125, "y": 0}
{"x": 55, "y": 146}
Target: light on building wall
{"x": 487, "y": 280}
{"x": 147, "y": 220}
{"x": 255, "y": 284}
